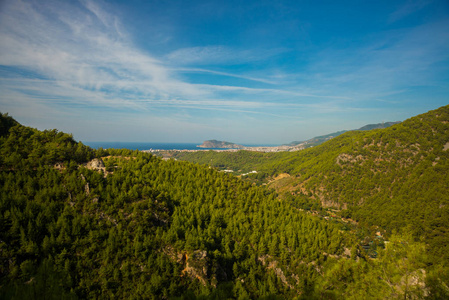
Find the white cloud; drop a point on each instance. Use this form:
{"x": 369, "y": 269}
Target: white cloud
{"x": 76, "y": 58}
{"x": 82, "y": 55}
{"x": 78, "y": 49}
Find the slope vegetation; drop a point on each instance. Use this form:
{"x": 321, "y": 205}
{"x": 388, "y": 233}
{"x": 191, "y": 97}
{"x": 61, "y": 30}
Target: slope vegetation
{"x": 394, "y": 178}
{"x": 130, "y": 225}
{"x": 141, "y": 227}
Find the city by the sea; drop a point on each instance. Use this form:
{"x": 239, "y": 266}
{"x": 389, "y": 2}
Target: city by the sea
{"x": 153, "y": 146}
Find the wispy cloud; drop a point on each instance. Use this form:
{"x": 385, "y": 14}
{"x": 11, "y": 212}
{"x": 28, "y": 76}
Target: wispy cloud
{"x": 212, "y": 55}
{"x": 82, "y": 55}
{"x": 227, "y": 74}
{"x": 394, "y": 61}
{"x": 82, "y": 48}
{"x": 77, "y": 58}
{"x": 410, "y": 7}
{"x": 273, "y": 92}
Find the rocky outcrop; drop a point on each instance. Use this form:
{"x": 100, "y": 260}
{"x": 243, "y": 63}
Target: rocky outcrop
{"x": 446, "y": 146}
{"x": 269, "y": 263}
{"x": 196, "y": 265}
{"x": 347, "y": 158}
{"x": 96, "y": 164}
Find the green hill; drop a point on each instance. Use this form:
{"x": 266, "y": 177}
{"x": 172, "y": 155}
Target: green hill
{"x": 130, "y": 225}
{"x": 140, "y": 227}
{"x": 394, "y": 178}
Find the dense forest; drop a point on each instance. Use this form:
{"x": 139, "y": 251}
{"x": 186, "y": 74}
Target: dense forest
{"x": 83, "y": 223}
{"x": 395, "y": 178}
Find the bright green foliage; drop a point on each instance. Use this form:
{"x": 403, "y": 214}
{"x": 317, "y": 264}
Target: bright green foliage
{"x": 27, "y": 148}
{"x": 398, "y": 273}
{"x": 241, "y": 161}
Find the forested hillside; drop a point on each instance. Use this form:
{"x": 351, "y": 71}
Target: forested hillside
{"x": 140, "y": 227}
{"x": 394, "y": 178}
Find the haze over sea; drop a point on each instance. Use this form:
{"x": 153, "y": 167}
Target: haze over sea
{"x": 158, "y": 146}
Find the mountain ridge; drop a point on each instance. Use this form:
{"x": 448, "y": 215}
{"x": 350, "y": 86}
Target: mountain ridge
{"x": 322, "y": 138}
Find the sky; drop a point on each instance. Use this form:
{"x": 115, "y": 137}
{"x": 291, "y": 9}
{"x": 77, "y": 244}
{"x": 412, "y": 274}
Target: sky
{"x": 250, "y": 72}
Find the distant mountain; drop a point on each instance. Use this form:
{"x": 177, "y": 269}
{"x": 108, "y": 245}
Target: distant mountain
{"x": 220, "y": 144}
{"x": 378, "y": 125}
{"x": 321, "y": 139}
{"x": 316, "y": 140}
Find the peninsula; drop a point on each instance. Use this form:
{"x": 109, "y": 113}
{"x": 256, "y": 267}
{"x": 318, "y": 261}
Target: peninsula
{"x": 220, "y": 144}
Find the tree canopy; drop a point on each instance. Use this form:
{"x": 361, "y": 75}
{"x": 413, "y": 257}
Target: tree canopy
{"x": 141, "y": 227}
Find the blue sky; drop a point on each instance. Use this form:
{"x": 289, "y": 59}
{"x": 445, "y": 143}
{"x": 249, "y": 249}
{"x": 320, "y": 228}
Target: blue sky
{"x": 265, "y": 72}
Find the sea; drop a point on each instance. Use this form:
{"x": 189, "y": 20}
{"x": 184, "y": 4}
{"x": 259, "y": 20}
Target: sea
{"x": 153, "y": 146}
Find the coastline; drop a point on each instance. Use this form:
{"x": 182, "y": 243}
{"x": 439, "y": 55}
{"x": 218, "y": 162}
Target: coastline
{"x": 255, "y": 149}
{"x": 187, "y": 147}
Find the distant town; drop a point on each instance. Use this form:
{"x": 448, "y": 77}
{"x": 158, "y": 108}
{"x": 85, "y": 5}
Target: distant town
{"x": 282, "y": 148}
